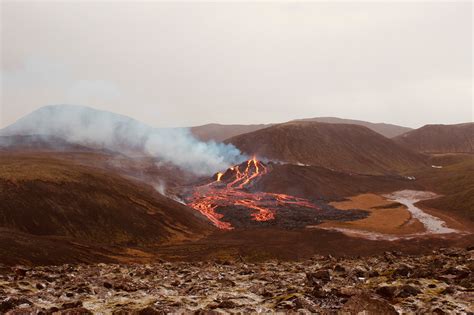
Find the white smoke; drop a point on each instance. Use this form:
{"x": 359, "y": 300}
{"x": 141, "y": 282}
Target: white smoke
{"x": 90, "y": 127}
{"x": 160, "y": 187}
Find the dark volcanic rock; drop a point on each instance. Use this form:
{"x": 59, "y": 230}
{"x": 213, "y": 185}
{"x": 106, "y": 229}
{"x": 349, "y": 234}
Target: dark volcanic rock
{"x": 407, "y": 290}
{"x": 449, "y": 290}
{"x": 403, "y": 271}
{"x": 108, "y": 285}
{"x": 40, "y": 286}
{"x": 387, "y": 292}
{"x": 322, "y": 276}
{"x": 75, "y": 311}
{"x": 74, "y": 304}
{"x": 11, "y": 303}
{"x": 227, "y": 304}
{"x": 149, "y": 311}
{"x": 339, "y": 268}
{"x": 359, "y": 284}
{"x": 368, "y": 305}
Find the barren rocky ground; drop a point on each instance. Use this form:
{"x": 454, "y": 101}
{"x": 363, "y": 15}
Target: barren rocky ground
{"x": 439, "y": 282}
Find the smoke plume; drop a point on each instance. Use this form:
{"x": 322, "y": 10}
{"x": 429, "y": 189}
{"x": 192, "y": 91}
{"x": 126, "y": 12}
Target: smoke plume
{"x": 100, "y": 129}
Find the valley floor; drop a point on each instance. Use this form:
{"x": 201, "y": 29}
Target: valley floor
{"x": 440, "y": 282}
{"x": 395, "y": 216}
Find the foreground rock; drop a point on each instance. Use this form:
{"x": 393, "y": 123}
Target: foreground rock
{"x": 440, "y": 282}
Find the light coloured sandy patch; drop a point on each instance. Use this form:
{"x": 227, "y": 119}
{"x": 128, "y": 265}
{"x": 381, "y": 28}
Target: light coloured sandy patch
{"x": 384, "y": 217}
{"x": 431, "y": 223}
{"x": 451, "y": 220}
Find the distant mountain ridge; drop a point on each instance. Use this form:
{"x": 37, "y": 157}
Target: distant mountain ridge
{"x": 80, "y": 124}
{"x": 52, "y": 117}
{"x": 221, "y": 132}
{"x": 457, "y": 138}
{"x": 386, "y": 130}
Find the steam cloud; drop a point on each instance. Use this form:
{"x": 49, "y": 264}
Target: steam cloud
{"x": 90, "y": 127}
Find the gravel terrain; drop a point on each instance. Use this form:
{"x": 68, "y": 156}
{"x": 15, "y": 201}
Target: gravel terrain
{"x": 439, "y": 282}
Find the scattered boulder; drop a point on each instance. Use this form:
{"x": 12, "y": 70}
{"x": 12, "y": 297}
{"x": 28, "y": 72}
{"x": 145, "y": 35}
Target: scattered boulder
{"x": 40, "y": 286}
{"x": 10, "y": 303}
{"x": 149, "y": 310}
{"x": 306, "y": 304}
{"x": 227, "y": 304}
{"x": 387, "y": 292}
{"x": 318, "y": 291}
{"x": 369, "y": 305}
{"x": 20, "y": 271}
{"x": 460, "y": 273}
{"x": 403, "y": 271}
{"x": 340, "y": 269}
{"x": 347, "y": 291}
{"x": 108, "y": 285}
{"x": 226, "y": 282}
{"x": 75, "y": 311}
{"x": 407, "y": 290}
{"x": 74, "y": 304}
{"x": 359, "y": 272}
{"x": 449, "y": 290}
{"x": 320, "y": 276}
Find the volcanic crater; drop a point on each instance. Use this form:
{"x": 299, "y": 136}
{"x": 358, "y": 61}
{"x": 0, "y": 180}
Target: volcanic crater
{"x": 231, "y": 200}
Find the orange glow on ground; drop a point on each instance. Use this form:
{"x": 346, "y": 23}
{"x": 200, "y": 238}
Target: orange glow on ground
{"x": 232, "y": 189}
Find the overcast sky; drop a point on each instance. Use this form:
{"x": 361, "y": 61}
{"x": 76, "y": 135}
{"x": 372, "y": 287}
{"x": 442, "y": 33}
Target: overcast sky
{"x": 183, "y": 64}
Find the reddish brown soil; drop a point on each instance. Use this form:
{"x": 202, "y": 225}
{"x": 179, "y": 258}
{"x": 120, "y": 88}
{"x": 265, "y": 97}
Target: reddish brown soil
{"x": 47, "y": 196}
{"x": 263, "y": 244}
{"x": 141, "y": 225}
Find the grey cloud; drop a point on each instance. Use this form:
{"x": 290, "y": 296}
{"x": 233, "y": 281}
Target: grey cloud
{"x": 399, "y": 62}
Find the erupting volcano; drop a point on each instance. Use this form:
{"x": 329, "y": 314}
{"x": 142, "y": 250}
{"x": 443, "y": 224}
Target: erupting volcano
{"x": 230, "y": 201}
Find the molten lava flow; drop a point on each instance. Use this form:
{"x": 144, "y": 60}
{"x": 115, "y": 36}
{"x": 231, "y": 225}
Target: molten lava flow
{"x": 231, "y": 189}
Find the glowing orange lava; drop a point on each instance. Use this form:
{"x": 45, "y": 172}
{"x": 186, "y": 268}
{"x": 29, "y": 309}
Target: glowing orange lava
{"x": 232, "y": 189}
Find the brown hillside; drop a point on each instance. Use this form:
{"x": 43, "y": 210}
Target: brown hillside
{"x": 47, "y": 196}
{"x": 40, "y": 143}
{"x": 316, "y": 182}
{"x": 440, "y": 139}
{"x": 454, "y": 182}
{"x": 343, "y": 147}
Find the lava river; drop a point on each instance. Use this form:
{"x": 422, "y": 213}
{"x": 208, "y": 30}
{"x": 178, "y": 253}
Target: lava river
{"x": 229, "y": 199}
